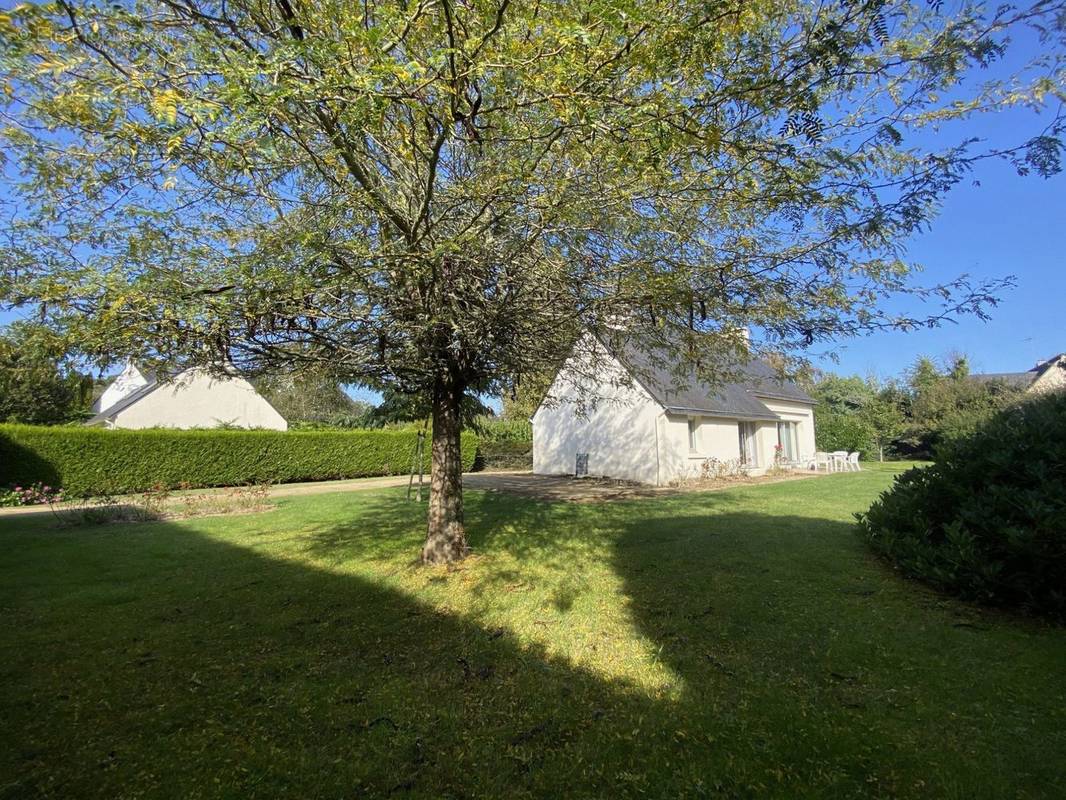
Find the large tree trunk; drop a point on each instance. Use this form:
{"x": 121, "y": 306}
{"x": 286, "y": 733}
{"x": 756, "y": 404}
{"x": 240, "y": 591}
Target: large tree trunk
{"x": 445, "y": 535}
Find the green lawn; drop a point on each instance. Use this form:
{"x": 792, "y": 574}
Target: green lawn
{"x": 732, "y": 644}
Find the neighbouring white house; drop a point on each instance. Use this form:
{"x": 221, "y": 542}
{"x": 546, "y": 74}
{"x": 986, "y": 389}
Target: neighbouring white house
{"x": 191, "y": 399}
{"x": 644, "y": 427}
{"x": 1046, "y": 376}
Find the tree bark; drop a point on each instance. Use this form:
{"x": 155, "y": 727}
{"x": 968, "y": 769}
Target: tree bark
{"x": 445, "y": 534}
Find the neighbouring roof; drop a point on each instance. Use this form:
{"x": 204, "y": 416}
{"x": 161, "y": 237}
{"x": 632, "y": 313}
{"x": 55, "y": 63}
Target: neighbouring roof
{"x": 740, "y": 399}
{"x": 126, "y": 401}
{"x": 1019, "y": 380}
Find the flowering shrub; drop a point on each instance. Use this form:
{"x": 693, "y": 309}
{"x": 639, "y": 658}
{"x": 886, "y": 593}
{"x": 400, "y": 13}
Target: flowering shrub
{"x": 33, "y": 495}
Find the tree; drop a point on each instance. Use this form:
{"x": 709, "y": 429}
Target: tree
{"x": 841, "y": 395}
{"x": 398, "y": 407}
{"x": 440, "y": 195}
{"x": 306, "y": 396}
{"x": 885, "y": 415}
{"x": 37, "y": 385}
{"x": 946, "y": 405}
{"x": 524, "y": 395}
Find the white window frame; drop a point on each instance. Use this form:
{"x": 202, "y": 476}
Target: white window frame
{"x": 693, "y": 434}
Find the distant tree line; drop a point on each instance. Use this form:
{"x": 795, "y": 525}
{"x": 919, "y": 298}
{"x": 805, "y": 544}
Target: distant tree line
{"x": 909, "y": 416}
{"x": 39, "y": 384}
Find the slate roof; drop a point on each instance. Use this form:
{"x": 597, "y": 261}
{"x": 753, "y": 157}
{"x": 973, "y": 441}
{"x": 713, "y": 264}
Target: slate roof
{"x": 737, "y": 400}
{"x": 1019, "y": 380}
{"x": 126, "y": 401}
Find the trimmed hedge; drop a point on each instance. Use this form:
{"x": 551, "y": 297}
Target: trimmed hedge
{"x": 493, "y": 429}
{"x": 988, "y": 520}
{"x": 504, "y": 454}
{"x": 92, "y": 461}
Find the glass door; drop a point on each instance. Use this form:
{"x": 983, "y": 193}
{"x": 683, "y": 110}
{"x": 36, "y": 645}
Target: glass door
{"x": 786, "y": 437}
{"x": 749, "y": 454}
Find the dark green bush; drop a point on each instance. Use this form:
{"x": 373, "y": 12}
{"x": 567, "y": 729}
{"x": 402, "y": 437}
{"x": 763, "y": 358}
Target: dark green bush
{"x": 988, "y": 520}
{"x": 95, "y": 461}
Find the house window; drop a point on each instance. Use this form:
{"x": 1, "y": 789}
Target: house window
{"x": 786, "y": 438}
{"x": 749, "y": 454}
{"x": 693, "y": 435}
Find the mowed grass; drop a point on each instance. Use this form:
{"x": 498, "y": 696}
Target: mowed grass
{"x": 731, "y": 644}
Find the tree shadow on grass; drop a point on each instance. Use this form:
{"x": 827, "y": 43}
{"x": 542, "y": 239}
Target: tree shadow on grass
{"x": 164, "y": 660}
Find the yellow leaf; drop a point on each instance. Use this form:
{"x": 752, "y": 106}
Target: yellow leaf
{"x": 164, "y": 106}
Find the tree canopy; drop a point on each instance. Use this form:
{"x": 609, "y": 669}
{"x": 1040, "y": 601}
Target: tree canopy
{"x": 439, "y": 195}
{"x": 914, "y": 415}
{"x": 38, "y": 384}
{"x": 308, "y": 396}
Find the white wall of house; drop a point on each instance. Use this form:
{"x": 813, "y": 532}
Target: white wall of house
{"x": 802, "y": 415}
{"x": 716, "y": 437}
{"x": 1053, "y": 379}
{"x": 596, "y": 409}
{"x": 198, "y": 400}
{"x": 126, "y": 383}
{"x": 608, "y": 417}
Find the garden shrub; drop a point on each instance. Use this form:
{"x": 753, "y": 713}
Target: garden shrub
{"x": 836, "y": 431}
{"x": 494, "y": 429}
{"x": 504, "y": 454}
{"x": 987, "y": 521}
{"x": 93, "y": 461}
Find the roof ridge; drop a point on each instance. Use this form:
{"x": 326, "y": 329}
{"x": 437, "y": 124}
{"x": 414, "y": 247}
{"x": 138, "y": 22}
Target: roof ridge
{"x": 736, "y": 398}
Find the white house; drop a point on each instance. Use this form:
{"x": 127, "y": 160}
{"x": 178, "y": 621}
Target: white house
{"x": 1046, "y": 376}
{"x": 192, "y": 399}
{"x": 644, "y": 427}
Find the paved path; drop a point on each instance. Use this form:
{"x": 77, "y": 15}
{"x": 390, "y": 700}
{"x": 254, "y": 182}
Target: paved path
{"x": 544, "y": 487}
{"x": 279, "y": 490}
{"x": 561, "y": 487}
{"x": 602, "y": 490}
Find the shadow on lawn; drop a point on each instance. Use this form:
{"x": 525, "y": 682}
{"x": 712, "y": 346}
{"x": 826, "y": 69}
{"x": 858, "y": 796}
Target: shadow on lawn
{"x": 236, "y": 674}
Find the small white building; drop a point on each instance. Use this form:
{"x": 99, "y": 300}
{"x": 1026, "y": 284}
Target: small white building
{"x": 191, "y": 399}
{"x": 643, "y": 427}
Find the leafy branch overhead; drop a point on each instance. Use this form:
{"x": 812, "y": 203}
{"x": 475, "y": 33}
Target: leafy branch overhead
{"x": 399, "y": 183}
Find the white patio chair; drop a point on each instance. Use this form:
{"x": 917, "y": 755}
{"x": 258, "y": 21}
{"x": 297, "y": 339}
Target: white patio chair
{"x": 819, "y": 460}
{"x": 853, "y": 462}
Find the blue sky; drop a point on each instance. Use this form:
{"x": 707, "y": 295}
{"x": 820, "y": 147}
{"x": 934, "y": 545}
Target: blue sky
{"x": 1006, "y": 225}
{"x": 993, "y": 224}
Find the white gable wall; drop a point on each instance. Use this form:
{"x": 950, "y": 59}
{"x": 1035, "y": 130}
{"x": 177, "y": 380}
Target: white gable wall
{"x": 198, "y": 400}
{"x": 617, "y": 430}
{"x": 127, "y": 382}
{"x": 1053, "y": 379}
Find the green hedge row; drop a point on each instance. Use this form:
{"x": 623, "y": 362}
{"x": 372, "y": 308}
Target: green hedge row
{"x": 95, "y": 461}
{"x": 492, "y": 455}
